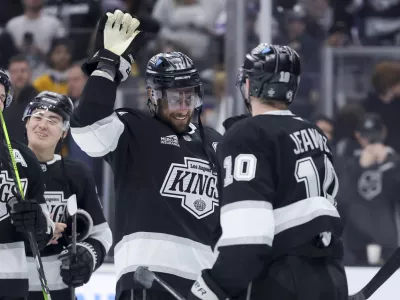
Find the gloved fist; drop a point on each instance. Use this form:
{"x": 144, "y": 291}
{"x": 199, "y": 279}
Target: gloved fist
{"x": 27, "y": 216}
{"x": 76, "y": 270}
{"x": 84, "y": 226}
{"x": 117, "y": 43}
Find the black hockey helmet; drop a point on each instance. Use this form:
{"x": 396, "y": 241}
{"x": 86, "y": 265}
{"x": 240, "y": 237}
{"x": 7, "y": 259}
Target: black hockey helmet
{"x": 54, "y": 102}
{"x": 372, "y": 128}
{"x": 273, "y": 72}
{"x": 6, "y": 82}
{"x": 172, "y": 70}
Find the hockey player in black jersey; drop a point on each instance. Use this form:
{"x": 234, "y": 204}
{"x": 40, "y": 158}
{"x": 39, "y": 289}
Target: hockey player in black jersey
{"x": 17, "y": 218}
{"x": 280, "y": 236}
{"x": 165, "y": 187}
{"x": 47, "y": 119}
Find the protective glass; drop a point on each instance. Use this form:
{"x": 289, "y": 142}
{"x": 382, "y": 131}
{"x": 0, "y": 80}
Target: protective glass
{"x": 181, "y": 99}
{"x": 39, "y": 116}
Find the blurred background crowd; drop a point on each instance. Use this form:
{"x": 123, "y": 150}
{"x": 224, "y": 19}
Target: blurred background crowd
{"x": 350, "y": 86}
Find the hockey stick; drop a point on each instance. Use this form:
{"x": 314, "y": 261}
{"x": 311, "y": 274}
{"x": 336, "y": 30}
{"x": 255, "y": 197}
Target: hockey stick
{"x": 145, "y": 278}
{"x": 380, "y": 278}
{"x": 20, "y": 195}
{"x": 72, "y": 208}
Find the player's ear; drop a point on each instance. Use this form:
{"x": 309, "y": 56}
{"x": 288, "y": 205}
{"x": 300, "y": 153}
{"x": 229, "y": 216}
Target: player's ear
{"x": 64, "y": 134}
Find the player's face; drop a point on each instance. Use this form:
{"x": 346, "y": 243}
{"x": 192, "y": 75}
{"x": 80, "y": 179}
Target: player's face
{"x": 20, "y": 74}
{"x": 2, "y": 97}
{"x": 44, "y": 129}
{"x": 61, "y": 57}
{"x": 176, "y": 107}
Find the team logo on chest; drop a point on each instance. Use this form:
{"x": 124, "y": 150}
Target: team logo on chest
{"x": 370, "y": 184}
{"x": 7, "y": 191}
{"x": 56, "y": 203}
{"x": 193, "y": 183}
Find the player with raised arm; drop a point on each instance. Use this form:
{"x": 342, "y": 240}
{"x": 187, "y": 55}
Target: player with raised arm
{"x": 18, "y": 218}
{"x": 281, "y": 230}
{"x": 47, "y": 118}
{"x": 165, "y": 180}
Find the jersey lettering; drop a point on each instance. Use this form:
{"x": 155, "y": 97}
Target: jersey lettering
{"x": 56, "y": 204}
{"x": 7, "y": 191}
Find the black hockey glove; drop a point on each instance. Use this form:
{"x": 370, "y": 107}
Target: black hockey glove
{"x": 205, "y": 288}
{"x": 76, "y": 270}
{"x": 232, "y": 120}
{"x": 117, "y": 42}
{"x": 27, "y": 216}
{"x": 84, "y": 226}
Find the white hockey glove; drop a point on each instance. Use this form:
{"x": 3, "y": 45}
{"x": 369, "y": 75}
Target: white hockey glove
{"x": 117, "y": 42}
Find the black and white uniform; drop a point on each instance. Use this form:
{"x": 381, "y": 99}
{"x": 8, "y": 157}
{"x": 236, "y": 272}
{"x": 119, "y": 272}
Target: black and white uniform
{"x": 279, "y": 223}
{"x": 64, "y": 178}
{"x": 13, "y": 266}
{"x": 166, "y": 193}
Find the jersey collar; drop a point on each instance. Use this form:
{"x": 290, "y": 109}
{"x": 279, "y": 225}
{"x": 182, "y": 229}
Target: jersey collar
{"x": 57, "y": 157}
{"x": 279, "y": 113}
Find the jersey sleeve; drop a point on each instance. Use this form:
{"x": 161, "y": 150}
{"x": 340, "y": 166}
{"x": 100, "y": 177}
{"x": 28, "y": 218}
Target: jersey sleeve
{"x": 96, "y": 128}
{"x": 247, "y": 219}
{"x": 100, "y": 237}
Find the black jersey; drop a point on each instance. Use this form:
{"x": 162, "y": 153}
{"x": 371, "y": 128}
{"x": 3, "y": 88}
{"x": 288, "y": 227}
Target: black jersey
{"x": 13, "y": 267}
{"x": 371, "y": 194}
{"x": 166, "y": 192}
{"x": 278, "y": 194}
{"x": 381, "y": 21}
{"x": 64, "y": 178}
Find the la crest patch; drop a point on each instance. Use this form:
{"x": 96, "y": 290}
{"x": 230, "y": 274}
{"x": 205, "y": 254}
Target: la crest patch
{"x": 193, "y": 183}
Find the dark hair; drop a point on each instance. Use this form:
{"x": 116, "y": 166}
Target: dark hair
{"x": 386, "y": 74}
{"x": 18, "y": 58}
{"x": 322, "y": 117}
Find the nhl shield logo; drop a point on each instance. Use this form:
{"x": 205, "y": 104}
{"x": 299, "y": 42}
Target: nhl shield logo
{"x": 7, "y": 191}
{"x": 194, "y": 183}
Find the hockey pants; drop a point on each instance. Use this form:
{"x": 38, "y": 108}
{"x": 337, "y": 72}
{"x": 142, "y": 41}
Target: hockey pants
{"x": 146, "y": 295}
{"x": 64, "y": 294}
{"x": 302, "y": 278}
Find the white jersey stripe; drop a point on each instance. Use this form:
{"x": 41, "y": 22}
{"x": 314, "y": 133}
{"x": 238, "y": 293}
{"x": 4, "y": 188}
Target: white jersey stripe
{"x": 13, "y": 261}
{"x": 302, "y": 212}
{"x": 99, "y": 138}
{"x": 51, "y": 266}
{"x": 162, "y": 253}
{"x": 254, "y": 222}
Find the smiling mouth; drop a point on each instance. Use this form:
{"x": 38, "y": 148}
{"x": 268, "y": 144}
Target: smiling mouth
{"x": 39, "y": 134}
{"x": 180, "y": 118}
